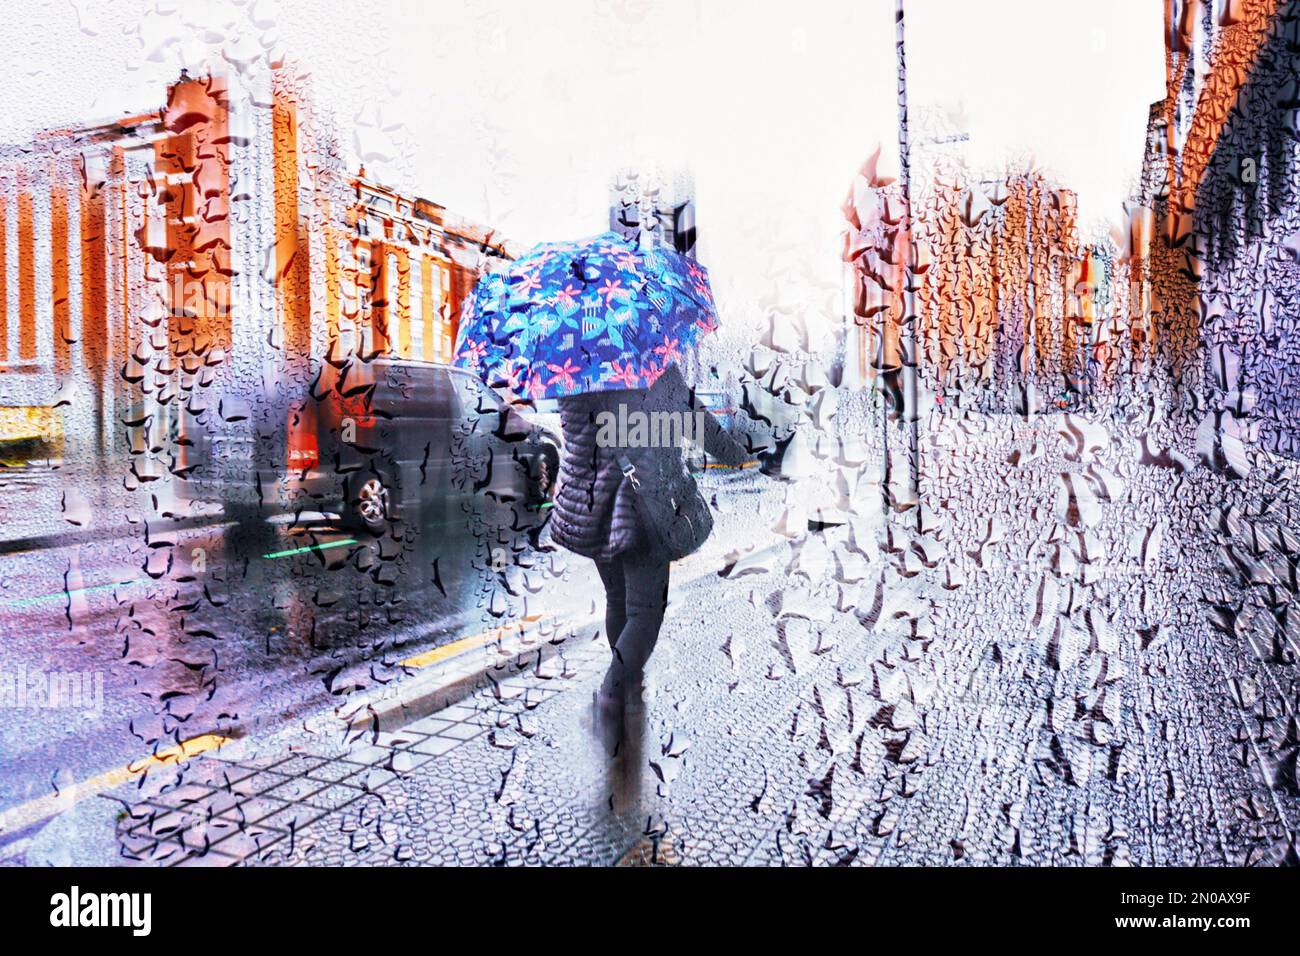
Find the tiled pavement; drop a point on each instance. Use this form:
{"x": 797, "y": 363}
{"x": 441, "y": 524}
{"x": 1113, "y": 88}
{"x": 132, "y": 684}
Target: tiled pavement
{"x": 321, "y": 799}
{"x": 514, "y": 775}
{"x": 1017, "y": 688}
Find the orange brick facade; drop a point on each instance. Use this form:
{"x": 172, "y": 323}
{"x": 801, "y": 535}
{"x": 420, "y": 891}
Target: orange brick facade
{"x": 145, "y": 258}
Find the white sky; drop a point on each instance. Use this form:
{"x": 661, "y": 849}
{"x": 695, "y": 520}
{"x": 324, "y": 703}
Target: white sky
{"x": 517, "y": 113}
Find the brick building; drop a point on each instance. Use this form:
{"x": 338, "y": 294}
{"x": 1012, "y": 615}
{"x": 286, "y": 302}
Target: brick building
{"x": 215, "y": 249}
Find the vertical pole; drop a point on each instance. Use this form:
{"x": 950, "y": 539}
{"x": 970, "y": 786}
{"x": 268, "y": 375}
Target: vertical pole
{"x": 910, "y": 356}
{"x": 1029, "y": 351}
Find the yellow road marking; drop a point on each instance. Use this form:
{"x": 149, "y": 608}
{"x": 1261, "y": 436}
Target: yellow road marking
{"x": 182, "y": 751}
{"x": 50, "y": 805}
{"x": 456, "y": 648}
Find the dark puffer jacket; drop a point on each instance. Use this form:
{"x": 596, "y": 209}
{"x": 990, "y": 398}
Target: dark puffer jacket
{"x": 595, "y": 511}
{"x": 595, "y": 515}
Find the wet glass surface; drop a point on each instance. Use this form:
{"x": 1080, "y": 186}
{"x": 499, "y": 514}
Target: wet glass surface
{"x": 1008, "y": 575}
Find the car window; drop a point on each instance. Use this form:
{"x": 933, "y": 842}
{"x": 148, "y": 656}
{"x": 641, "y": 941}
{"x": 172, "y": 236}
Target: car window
{"x": 442, "y": 394}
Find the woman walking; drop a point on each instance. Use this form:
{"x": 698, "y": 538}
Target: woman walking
{"x": 596, "y": 516}
{"x": 599, "y": 324}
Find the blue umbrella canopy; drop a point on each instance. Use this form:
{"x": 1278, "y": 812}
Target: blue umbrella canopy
{"x": 584, "y": 316}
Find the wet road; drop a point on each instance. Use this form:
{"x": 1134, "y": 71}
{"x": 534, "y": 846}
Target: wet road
{"x": 1082, "y": 651}
{"x": 228, "y": 629}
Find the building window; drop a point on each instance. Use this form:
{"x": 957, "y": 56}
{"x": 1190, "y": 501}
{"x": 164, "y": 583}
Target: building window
{"x": 415, "y": 309}
{"x": 392, "y": 287}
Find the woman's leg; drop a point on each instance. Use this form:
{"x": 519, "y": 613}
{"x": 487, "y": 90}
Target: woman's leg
{"x": 646, "y": 596}
{"x": 611, "y": 575}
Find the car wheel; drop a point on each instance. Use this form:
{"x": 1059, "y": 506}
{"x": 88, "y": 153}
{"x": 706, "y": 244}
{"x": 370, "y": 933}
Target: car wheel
{"x": 369, "y": 502}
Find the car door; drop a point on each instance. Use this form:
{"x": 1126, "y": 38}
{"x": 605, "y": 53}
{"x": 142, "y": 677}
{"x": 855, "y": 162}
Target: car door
{"x": 417, "y": 410}
{"x": 474, "y": 459}
{"x": 433, "y": 463}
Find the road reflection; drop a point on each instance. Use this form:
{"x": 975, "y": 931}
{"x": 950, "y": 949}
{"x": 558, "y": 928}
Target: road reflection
{"x": 234, "y": 627}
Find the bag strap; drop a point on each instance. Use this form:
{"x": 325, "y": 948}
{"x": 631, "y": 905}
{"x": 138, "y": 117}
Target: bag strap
{"x": 629, "y": 471}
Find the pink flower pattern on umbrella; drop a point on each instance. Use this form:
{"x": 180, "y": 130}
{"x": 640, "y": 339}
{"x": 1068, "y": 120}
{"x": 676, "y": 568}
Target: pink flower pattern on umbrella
{"x": 669, "y": 350}
{"x": 584, "y": 316}
{"x": 651, "y": 371}
{"x": 625, "y": 375}
{"x": 611, "y": 288}
{"x": 528, "y": 282}
{"x": 564, "y": 374}
{"x": 568, "y": 295}
{"x": 473, "y": 353}
{"x": 707, "y": 324}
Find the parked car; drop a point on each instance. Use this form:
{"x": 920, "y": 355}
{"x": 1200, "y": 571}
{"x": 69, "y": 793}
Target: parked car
{"x": 373, "y": 442}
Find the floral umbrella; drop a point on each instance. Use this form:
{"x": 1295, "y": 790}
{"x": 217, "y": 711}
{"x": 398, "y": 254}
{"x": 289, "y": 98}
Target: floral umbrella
{"x": 585, "y": 316}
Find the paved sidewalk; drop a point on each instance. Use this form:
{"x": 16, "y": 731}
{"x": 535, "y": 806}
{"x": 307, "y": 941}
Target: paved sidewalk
{"x": 1046, "y": 685}
{"x": 514, "y": 775}
{"x": 530, "y": 643}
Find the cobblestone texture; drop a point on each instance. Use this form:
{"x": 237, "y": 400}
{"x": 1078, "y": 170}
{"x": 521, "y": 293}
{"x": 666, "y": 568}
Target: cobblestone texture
{"x": 1036, "y": 679}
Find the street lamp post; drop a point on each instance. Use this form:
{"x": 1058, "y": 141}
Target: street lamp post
{"x": 910, "y": 359}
